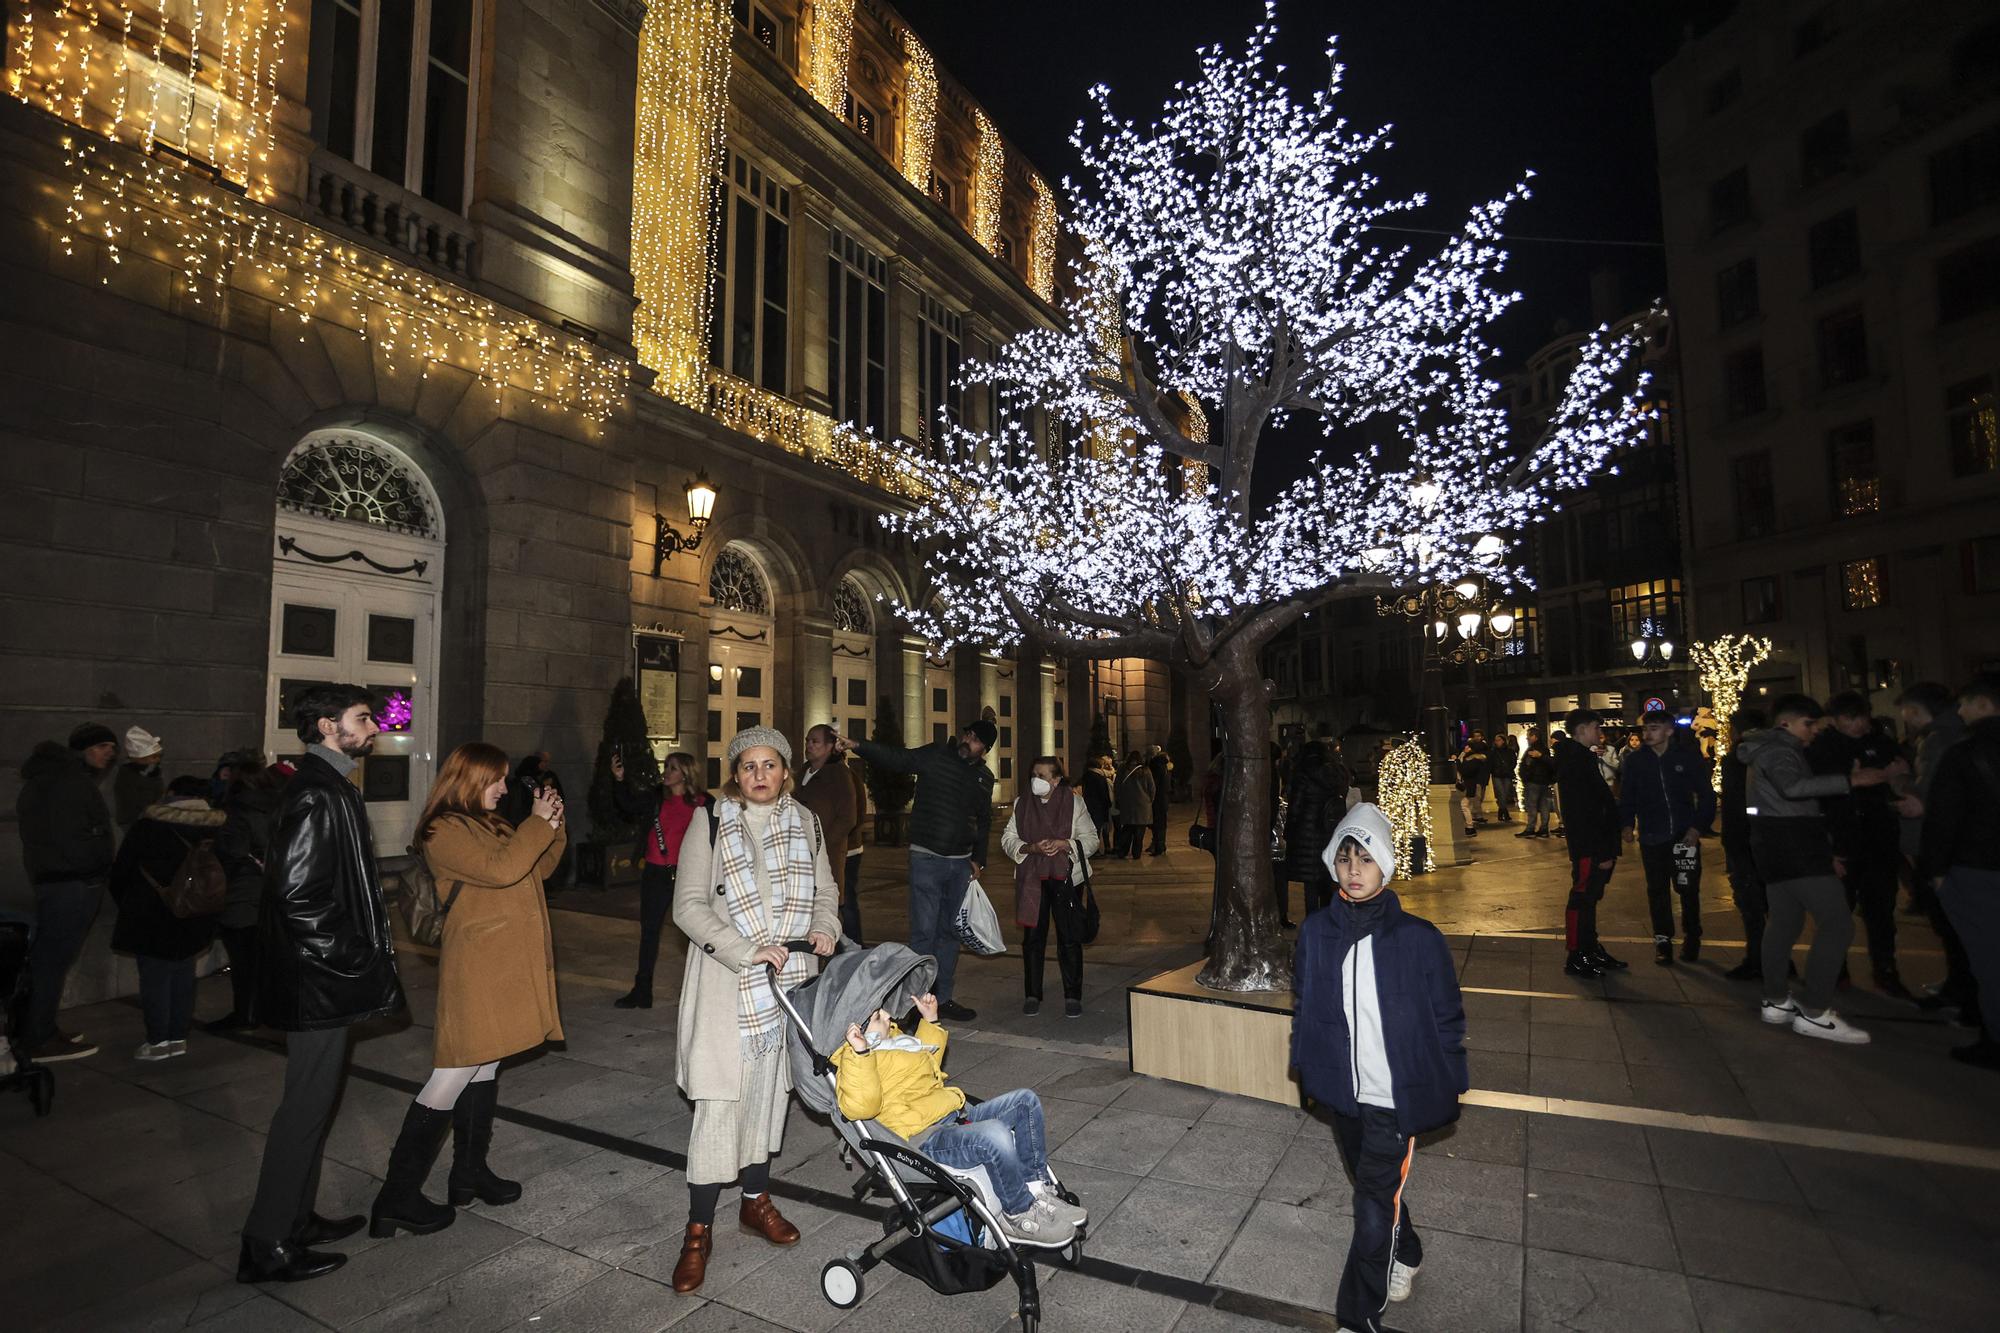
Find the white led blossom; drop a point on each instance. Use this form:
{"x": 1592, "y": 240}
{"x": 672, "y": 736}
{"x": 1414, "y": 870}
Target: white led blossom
{"x": 1236, "y": 239}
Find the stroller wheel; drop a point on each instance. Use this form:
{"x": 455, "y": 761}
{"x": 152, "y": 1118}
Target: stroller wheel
{"x": 1072, "y": 1253}
{"x": 840, "y": 1283}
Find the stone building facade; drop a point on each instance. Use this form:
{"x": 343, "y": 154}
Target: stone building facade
{"x": 349, "y": 343}
{"x": 1830, "y": 175}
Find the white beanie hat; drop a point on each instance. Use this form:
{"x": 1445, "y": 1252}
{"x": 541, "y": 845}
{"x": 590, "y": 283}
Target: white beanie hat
{"x": 751, "y": 737}
{"x": 1367, "y": 825}
{"x": 141, "y": 743}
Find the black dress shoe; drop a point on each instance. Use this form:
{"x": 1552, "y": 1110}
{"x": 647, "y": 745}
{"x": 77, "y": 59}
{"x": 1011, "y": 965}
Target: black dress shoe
{"x": 1747, "y": 970}
{"x": 1581, "y": 964}
{"x": 634, "y": 999}
{"x": 956, "y": 1012}
{"x": 260, "y": 1261}
{"x": 325, "y": 1230}
{"x": 1032, "y": 1005}
{"x": 1691, "y": 948}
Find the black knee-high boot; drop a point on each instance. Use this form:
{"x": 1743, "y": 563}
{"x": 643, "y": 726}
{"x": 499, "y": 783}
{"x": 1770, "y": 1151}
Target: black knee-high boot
{"x": 401, "y": 1202}
{"x": 471, "y": 1136}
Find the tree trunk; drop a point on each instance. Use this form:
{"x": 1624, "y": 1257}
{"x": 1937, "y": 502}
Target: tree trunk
{"x": 1249, "y": 953}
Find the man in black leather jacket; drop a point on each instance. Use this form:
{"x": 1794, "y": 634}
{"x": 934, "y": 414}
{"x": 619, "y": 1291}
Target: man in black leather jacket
{"x": 327, "y": 961}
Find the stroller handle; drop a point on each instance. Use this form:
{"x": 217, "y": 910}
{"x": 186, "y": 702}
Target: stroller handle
{"x": 802, "y": 946}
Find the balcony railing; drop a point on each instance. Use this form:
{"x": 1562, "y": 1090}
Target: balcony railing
{"x": 361, "y": 203}
{"x": 779, "y": 421}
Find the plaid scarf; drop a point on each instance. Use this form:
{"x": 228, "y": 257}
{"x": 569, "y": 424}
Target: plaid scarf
{"x": 789, "y": 853}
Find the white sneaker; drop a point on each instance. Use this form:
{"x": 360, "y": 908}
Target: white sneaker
{"x": 154, "y": 1050}
{"x": 179, "y": 1048}
{"x": 1779, "y": 1011}
{"x": 1400, "y": 1277}
{"x": 1057, "y": 1207}
{"x": 1037, "y": 1227}
{"x": 1829, "y": 1026}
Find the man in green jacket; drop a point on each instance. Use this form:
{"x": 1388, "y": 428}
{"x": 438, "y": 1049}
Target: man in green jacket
{"x": 951, "y": 823}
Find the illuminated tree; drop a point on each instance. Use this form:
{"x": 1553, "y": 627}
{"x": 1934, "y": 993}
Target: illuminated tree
{"x": 1238, "y": 272}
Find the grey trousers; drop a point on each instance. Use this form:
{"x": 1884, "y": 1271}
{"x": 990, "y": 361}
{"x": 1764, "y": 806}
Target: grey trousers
{"x": 1791, "y": 901}
{"x": 315, "y": 1067}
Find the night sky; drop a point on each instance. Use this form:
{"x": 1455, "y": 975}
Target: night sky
{"x": 1478, "y": 93}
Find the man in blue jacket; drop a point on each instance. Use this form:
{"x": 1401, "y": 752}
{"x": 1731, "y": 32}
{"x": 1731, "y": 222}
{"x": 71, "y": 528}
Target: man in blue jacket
{"x": 1378, "y": 1038}
{"x": 1665, "y": 789}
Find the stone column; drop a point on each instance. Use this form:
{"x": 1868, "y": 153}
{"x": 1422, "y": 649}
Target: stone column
{"x": 905, "y": 410}
{"x": 811, "y": 669}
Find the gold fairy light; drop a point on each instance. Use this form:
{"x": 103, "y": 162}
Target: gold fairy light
{"x": 988, "y": 183}
{"x": 920, "y": 107}
{"x": 677, "y": 160}
{"x": 1042, "y": 242}
{"x": 1723, "y": 666}
{"x": 1194, "y": 472}
{"x": 833, "y": 40}
{"x": 1404, "y": 793}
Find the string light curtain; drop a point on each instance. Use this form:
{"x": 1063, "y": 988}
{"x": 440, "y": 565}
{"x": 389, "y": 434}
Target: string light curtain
{"x": 988, "y": 183}
{"x": 1042, "y": 242}
{"x": 677, "y": 160}
{"x": 920, "y": 109}
{"x": 833, "y": 39}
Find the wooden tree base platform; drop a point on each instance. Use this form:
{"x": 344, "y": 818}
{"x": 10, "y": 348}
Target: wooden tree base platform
{"x": 1237, "y": 1042}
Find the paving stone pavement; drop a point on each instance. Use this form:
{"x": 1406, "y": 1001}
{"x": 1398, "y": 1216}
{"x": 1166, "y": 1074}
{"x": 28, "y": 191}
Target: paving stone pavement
{"x": 1640, "y": 1154}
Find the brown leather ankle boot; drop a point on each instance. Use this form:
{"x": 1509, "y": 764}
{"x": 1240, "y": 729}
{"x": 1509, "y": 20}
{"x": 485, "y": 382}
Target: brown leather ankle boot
{"x": 693, "y": 1265}
{"x": 760, "y": 1217}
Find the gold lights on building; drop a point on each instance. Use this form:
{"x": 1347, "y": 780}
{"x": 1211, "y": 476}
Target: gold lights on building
{"x": 1404, "y": 793}
{"x": 1042, "y": 242}
{"x": 920, "y": 108}
{"x": 833, "y": 39}
{"x": 677, "y": 160}
{"x": 988, "y": 184}
{"x": 1723, "y": 666}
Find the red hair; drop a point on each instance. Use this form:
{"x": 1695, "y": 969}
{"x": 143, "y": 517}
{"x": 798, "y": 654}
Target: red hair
{"x": 461, "y": 786}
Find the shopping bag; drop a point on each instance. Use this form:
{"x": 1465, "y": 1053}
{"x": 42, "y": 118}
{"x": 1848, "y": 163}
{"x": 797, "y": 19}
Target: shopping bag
{"x": 978, "y": 925}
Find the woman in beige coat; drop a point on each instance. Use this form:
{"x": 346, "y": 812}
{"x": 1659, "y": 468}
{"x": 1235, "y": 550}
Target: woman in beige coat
{"x": 755, "y": 878}
{"x": 496, "y": 982}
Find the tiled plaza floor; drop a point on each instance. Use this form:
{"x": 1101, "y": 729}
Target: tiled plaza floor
{"x": 1641, "y": 1154}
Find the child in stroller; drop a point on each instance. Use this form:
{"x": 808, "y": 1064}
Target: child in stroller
{"x": 898, "y": 1081}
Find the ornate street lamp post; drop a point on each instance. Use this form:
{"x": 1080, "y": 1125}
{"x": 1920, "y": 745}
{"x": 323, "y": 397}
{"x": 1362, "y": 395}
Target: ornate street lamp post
{"x": 1460, "y": 627}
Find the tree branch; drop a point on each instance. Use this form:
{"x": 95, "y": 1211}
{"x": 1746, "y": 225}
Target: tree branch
{"x": 1142, "y": 643}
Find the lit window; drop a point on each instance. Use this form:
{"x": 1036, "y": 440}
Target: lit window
{"x": 938, "y": 349}
{"x": 749, "y": 332}
{"x": 1972, "y": 416}
{"x": 857, "y": 324}
{"x": 1857, "y": 484}
{"x": 1861, "y": 584}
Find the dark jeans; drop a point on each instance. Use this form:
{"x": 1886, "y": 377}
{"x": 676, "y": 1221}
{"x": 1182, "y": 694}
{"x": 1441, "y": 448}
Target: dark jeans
{"x": 166, "y": 997}
{"x": 1131, "y": 841}
{"x": 1871, "y": 887}
{"x": 1972, "y": 898}
{"x": 1588, "y": 876}
{"x": 1315, "y": 892}
{"x": 1160, "y": 828}
{"x": 1540, "y": 802}
{"x": 241, "y": 943}
{"x": 64, "y": 911}
{"x": 1958, "y": 987}
{"x": 1658, "y": 859}
{"x": 937, "y": 891}
{"x": 1060, "y": 908}
{"x": 1748, "y": 887}
{"x": 1378, "y": 1157}
{"x": 315, "y": 1067}
{"x": 850, "y": 899}
{"x": 1005, "y": 1135}
{"x": 656, "y": 902}
{"x": 1503, "y": 796}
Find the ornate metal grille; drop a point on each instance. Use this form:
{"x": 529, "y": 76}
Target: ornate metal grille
{"x": 347, "y": 479}
{"x": 736, "y": 585}
{"x": 850, "y": 609}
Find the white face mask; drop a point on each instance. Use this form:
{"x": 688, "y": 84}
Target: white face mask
{"x": 1041, "y": 786}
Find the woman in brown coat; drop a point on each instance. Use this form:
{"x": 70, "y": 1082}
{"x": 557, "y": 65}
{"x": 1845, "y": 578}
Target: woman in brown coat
{"x": 496, "y": 983}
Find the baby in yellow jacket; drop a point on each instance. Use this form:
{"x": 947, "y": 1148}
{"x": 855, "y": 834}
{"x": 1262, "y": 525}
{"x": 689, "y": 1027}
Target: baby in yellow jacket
{"x": 898, "y": 1081}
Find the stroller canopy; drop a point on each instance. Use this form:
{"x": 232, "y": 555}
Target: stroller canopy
{"x": 853, "y": 984}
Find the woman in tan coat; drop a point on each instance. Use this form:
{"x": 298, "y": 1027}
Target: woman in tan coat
{"x": 496, "y": 982}
{"x": 760, "y": 878}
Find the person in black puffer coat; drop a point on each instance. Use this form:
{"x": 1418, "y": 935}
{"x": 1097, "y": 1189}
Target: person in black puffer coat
{"x": 250, "y": 810}
{"x": 1313, "y": 809}
{"x": 165, "y": 945}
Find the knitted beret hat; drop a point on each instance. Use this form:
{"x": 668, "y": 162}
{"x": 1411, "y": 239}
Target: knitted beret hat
{"x": 753, "y": 737}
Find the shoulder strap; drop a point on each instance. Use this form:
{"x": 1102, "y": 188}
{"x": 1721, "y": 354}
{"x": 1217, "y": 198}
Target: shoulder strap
{"x": 445, "y": 909}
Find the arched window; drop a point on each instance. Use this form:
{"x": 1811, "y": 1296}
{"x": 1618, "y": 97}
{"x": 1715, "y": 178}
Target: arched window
{"x": 736, "y": 584}
{"x": 850, "y": 609}
{"x": 347, "y": 478}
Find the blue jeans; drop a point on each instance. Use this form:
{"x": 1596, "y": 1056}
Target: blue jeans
{"x": 166, "y": 997}
{"x": 937, "y": 891}
{"x": 64, "y": 911}
{"x": 1004, "y": 1136}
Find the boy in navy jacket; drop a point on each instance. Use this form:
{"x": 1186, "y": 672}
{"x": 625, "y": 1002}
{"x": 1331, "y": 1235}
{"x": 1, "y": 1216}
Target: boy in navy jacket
{"x": 1667, "y": 792}
{"x": 1378, "y": 1038}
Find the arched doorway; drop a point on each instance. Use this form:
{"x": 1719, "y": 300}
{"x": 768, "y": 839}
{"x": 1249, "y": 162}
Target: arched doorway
{"x": 739, "y": 650}
{"x": 355, "y": 581}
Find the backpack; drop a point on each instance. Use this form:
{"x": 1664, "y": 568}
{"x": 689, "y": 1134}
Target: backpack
{"x": 422, "y": 912}
{"x": 198, "y": 886}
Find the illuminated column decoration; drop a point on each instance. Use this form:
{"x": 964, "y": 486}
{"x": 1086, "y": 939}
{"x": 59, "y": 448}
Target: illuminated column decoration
{"x": 833, "y": 39}
{"x": 1404, "y": 793}
{"x": 920, "y": 104}
{"x": 1042, "y": 242}
{"x": 676, "y": 161}
{"x": 987, "y": 185}
{"x": 1724, "y": 665}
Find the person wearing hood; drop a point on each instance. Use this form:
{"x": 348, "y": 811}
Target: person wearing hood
{"x": 66, "y": 843}
{"x": 1378, "y": 1039}
{"x": 164, "y": 944}
{"x": 1788, "y": 836}
{"x": 138, "y": 784}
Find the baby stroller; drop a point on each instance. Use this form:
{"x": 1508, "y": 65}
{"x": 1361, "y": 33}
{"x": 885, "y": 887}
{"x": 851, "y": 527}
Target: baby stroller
{"x": 16, "y": 1069}
{"x": 944, "y": 1225}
